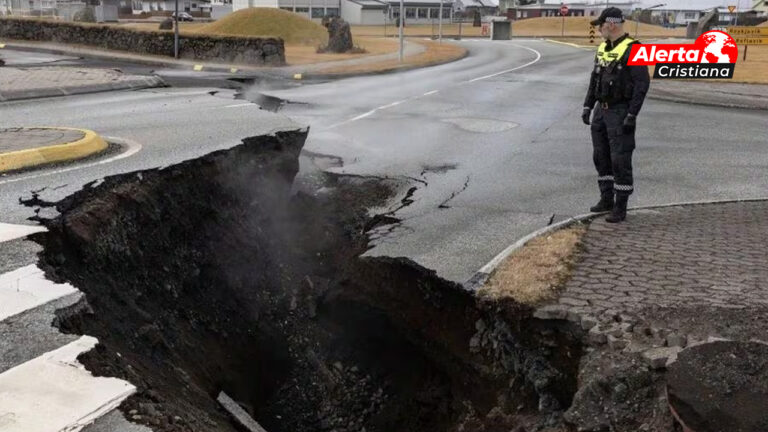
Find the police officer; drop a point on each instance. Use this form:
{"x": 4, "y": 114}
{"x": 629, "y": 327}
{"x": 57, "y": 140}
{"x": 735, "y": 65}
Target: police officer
{"x": 616, "y": 91}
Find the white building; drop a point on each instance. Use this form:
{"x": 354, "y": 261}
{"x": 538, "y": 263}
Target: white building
{"x": 150, "y": 6}
{"x": 681, "y": 12}
{"x": 365, "y": 12}
{"x": 359, "y": 12}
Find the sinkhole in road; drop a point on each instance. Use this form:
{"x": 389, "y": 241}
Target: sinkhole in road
{"x": 216, "y": 275}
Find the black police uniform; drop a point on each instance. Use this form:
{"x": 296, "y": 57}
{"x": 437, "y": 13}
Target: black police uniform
{"x": 619, "y": 91}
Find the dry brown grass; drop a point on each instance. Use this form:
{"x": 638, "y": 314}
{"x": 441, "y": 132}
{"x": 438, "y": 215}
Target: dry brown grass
{"x": 753, "y": 71}
{"x": 297, "y": 54}
{"x": 579, "y": 26}
{"x": 436, "y": 53}
{"x": 262, "y": 21}
{"x": 536, "y": 272}
{"x": 546, "y": 26}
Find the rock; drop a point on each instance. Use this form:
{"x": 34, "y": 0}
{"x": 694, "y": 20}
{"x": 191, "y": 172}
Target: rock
{"x": 474, "y": 343}
{"x": 480, "y": 325}
{"x": 167, "y": 24}
{"x": 676, "y": 340}
{"x": 339, "y": 35}
{"x": 616, "y": 342}
{"x": 596, "y": 337}
{"x": 551, "y": 312}
{"x": 720, "y": 386}
{"x": 658, "y": 358}
{"x": 587, "y": 322}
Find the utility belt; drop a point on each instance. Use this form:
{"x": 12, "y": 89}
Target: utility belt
{"x": 613, "y": 105}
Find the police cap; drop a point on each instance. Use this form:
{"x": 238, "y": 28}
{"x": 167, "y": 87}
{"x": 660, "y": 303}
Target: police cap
{"x": 610, "y": 14}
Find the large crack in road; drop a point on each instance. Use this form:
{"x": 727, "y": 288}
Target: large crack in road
{"x": 216, "y": 275}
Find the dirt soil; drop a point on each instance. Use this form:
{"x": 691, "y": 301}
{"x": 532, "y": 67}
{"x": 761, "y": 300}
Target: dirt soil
{"x": 721, "y": 386}
{"x": 212, "y": 275}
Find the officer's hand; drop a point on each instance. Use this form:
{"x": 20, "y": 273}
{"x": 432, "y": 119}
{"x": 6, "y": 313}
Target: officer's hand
{"x": 585, "y": 115}
{"x": 630, "y": 121}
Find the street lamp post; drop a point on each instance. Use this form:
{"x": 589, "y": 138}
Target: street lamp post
{"x": 402, "y": 24}
{"x": 176, "y": 32}
{"x": 440, "y": 23}
{"x": 637, "y": 21}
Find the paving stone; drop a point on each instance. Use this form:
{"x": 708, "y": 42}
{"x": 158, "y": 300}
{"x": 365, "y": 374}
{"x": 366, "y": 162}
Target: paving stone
{"x": 712, "y": 257}
{"x": 659, "y": 358}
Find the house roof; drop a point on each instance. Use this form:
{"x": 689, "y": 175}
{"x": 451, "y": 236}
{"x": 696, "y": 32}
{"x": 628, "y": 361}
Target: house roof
{"x": 370, "y": 4}
{"x": 479, "y": 3}
{"x": 555, "y": 4}
{"x": 446, "y": 3}
{"x": 684, "y": 5}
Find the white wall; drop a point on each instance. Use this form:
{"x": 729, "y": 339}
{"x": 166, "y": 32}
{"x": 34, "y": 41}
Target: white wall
{"x": 351, "y": 12}
{"x": 242, "y": 4}
{"x": 219, "y": 11}
{"x": 372, "y": 17}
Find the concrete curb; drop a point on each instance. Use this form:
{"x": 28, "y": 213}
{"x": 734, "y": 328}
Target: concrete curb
{"x": 274, "y": 72}
{"x": 90, "y": 144}
{"x": 709, "y": 103}
{"x": 481, "y": 276}
{"x": 136, "y": 83}
{"x": 319, "y": 76}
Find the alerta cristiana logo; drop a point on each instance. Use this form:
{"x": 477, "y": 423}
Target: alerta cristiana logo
{"x": 713, "y": 55}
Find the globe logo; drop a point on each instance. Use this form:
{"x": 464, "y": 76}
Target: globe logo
{"x": 717, "y": 47}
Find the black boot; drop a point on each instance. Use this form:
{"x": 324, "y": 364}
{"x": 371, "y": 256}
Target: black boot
{"x": 619, "y": 212}
{"x": 605, "y": 204}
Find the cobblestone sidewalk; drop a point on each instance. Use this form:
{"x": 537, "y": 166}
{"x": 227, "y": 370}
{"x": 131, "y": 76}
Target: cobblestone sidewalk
{"x": 673, "y": 276}
{"x": 31, "y": 82}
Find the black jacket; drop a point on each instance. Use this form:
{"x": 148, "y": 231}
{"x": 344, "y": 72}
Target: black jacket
{"x": 636, "y": 76}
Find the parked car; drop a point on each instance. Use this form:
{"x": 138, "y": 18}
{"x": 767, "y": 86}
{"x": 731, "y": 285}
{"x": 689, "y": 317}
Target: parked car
{"x": 183, "y": 16}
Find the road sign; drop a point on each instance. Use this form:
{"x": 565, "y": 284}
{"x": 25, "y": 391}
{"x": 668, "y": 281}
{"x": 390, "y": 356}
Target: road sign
{"x": 747, "y": 31}
{"x": 563, "y": 10}
{"x": 749, "y": 40}
{"x": 731, "y": 9}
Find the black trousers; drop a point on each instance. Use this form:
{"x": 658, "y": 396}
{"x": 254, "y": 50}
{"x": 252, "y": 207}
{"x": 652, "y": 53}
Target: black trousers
{"x": 612, "y": 150}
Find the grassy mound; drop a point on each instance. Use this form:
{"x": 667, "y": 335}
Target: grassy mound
{"x": 292, "y": 28}
{"x": 550, "y": 26}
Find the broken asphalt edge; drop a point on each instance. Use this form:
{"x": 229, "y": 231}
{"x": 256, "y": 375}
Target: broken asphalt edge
{"x": 480, "y": 277}
{"x": 90, "y": 144}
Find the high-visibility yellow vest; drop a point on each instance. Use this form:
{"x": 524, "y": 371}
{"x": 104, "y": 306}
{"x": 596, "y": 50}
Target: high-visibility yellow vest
{"x": 605, "y": 57}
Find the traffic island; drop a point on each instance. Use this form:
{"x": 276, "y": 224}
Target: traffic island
{"x": 24, "y": 148}
{"x": 17, "y": 83}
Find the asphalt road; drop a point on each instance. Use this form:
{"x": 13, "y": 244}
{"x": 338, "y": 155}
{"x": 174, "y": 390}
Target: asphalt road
{"x": 493, "y": 142}
{"x": 499, "y": 156}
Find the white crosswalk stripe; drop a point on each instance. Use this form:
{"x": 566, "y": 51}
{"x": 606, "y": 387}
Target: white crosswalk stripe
{"x": 27, "y": 288}
{"x": 10, "y": 232}
{"x": 54, "y": 393}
